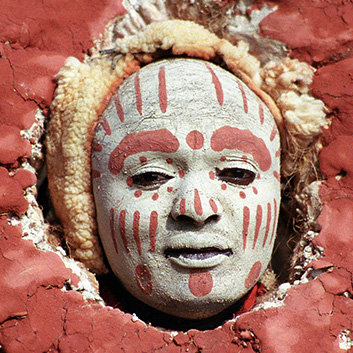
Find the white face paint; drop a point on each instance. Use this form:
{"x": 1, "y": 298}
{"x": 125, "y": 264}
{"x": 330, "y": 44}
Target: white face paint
{"x": 185, "y": 175}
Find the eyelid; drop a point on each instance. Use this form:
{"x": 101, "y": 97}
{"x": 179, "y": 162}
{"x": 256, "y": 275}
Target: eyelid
{"x": 236, "y": 162}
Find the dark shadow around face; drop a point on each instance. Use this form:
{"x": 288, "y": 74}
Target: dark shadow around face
{"x": 185, "y": 167}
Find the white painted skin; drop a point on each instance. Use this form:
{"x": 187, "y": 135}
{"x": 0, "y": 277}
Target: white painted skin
{"x": 202, "y": 257}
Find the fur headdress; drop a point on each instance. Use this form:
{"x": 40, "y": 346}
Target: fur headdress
{"x": 84, "y": 90}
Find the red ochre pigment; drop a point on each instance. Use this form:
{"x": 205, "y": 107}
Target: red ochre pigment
{"x": 195, "y": 140}
{"x": 253, "y": 274}
{"x": 143, "y": 279}
{"x": 200, "y": 283}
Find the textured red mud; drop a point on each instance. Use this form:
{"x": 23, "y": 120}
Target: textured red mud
{"x": 37, "y": 316}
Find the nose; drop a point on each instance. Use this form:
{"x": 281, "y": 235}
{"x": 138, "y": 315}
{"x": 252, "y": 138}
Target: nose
{"x": 193, "y": 206}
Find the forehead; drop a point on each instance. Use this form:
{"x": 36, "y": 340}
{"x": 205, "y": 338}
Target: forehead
{"x": 185, "y": 94}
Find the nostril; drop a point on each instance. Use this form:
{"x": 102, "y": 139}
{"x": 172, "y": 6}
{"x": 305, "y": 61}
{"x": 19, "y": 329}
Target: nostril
{"x": 184, "y": 219}
{"x": 213, "y": 218}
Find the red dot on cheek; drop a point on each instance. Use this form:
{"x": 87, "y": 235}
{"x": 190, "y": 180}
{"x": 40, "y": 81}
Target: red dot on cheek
{"x": 254, "y": 190}
{"x": 224, "y": 187}
{"x": 169, "y": 160}
{"x": 169, "y": 189}
{"x": 138, "y": 193}
{"x": 258, "y": 176}
{"x": 181, "y": 173}
{"x": 155, "y": 197}
{"x": 242, "y": 194}
{"x": 211, "y": 174}
{"x": 223, "y": 159}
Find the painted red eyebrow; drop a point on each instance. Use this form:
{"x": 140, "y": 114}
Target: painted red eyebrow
{"x": 154, "y": 140}
{"x": 228, "y": 137}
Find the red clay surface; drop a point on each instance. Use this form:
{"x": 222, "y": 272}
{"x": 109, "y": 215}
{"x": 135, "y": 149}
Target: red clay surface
{"x": 36, "y": 315}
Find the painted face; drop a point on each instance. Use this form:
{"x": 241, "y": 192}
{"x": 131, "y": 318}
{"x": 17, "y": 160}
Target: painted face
{"x": 185, "y": 174}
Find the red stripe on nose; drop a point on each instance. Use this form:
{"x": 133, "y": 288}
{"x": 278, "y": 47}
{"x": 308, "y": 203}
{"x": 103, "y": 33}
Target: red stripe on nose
{"x": 197, "y": 203}
{"x": 213, "y": 206}
{"x": 182, "y": 208}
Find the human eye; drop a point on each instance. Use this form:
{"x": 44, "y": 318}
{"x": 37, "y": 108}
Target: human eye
{"x": 150, "y": 179}
{"x": 237, "y": 176}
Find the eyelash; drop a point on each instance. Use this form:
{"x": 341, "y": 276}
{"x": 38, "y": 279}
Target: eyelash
{"x": 235, "y": 176}
{"x": 150, "y": 179}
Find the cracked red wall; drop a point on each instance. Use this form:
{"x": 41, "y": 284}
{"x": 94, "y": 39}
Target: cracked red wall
{"x": 36, "y": 315}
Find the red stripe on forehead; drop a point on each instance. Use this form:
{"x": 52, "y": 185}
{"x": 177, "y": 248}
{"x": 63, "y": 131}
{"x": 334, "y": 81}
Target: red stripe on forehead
{"x": 217, "y": 85}
{"x": 156, "y": 140}
{"x": 228, "y": 137}
{"x": 118, "y": 107}
{"x": 245, "y": 101}
{"x": 162, "y": 90}
{"x": 104, "y": 122}
{"x": 138, "y": 93}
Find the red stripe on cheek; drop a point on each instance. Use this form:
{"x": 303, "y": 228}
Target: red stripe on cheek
{"x": 217, "y": 85}
{"x": 200, "y": 283}
{"x": 136, "y": 230}
{"x": 119, "y": 108}
{"x": 155, "y": 140}
{"x": 197, "y": 203}
{"x": 143, "y": 279}
{"x": 195, "y": 140}
{"x": 253, "y": 275}
{"x": 245, "y": 101}
{"x": 228, "y": 137}
{"x": 138, "y": 93}
{"x": 268, "y": 223}
{"x": 258, "y": 224}
{"x": 162, "y": 90}
{"x": 274, "y": 220}
{"x": 182, "y": 206}
{"x": 122, "y": 229}
{"x": 246, "y": 221}
{"x": 111, "y": 222}
{"x": 153, "y": 229}
{"x": 105, "y": 125}
{"x": 213, "y": 206}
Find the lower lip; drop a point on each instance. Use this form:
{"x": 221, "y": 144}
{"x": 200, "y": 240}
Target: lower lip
{"x": 207, "y": 262}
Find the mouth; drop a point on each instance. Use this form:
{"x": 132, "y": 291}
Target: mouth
{"x": 198, "y": 258}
